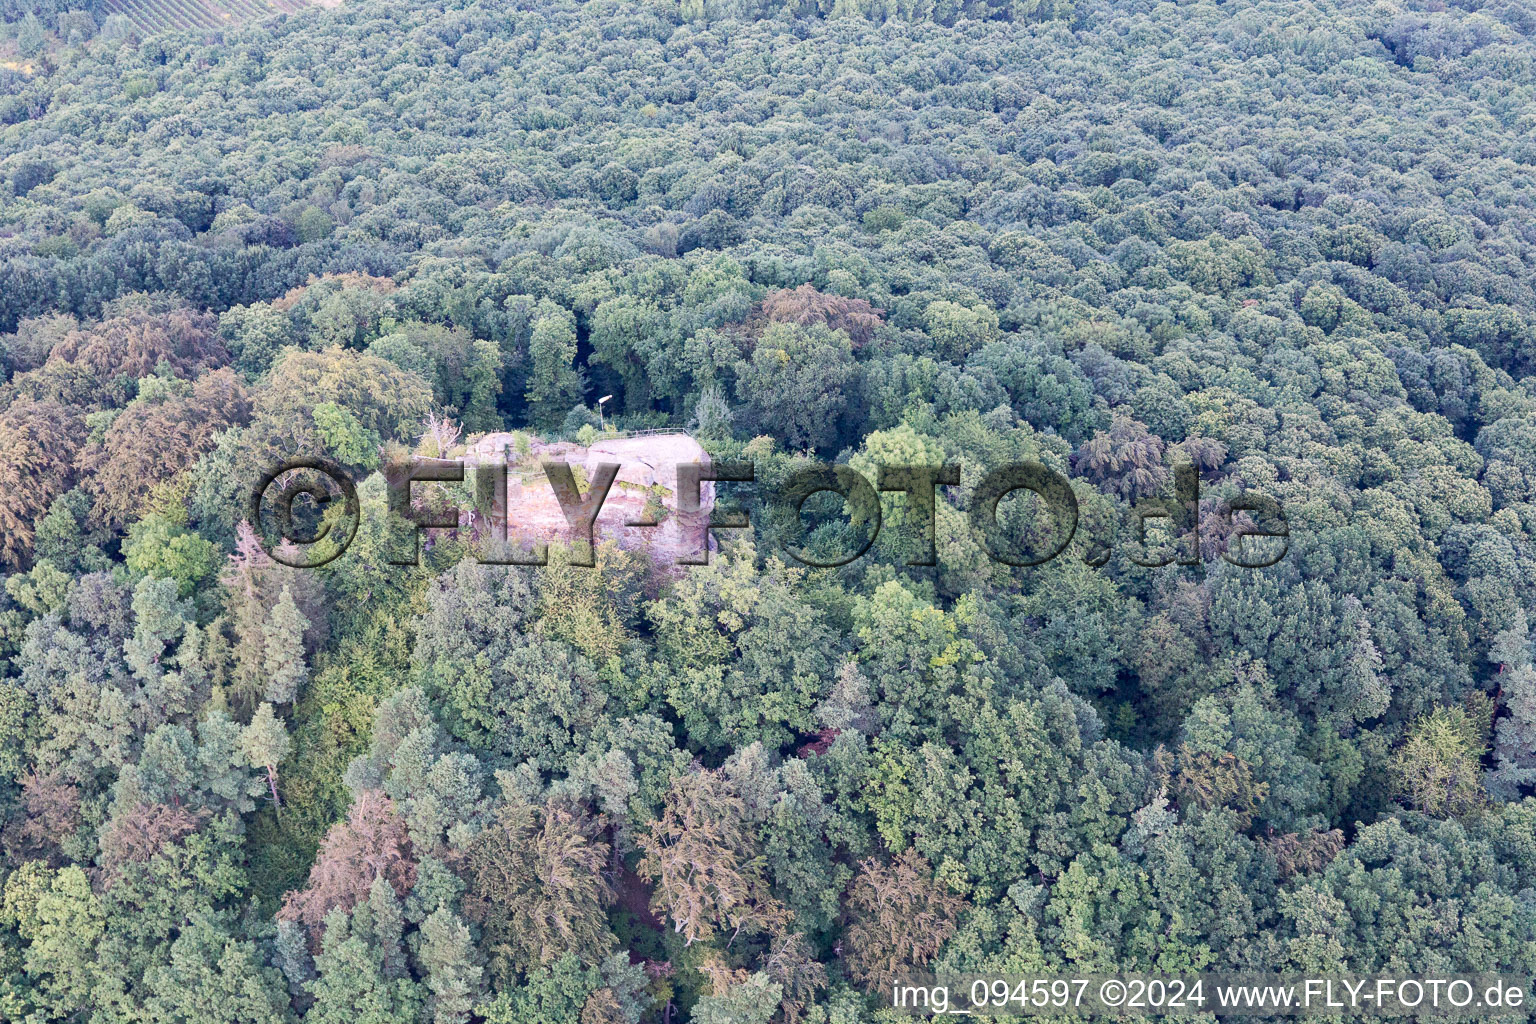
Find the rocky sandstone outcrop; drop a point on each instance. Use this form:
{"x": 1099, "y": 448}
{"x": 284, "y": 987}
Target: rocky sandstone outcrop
{"x": 645, "y": 490}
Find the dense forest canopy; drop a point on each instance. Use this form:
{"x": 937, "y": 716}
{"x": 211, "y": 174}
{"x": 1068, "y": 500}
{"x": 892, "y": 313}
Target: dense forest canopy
{"x": 1292, "y": 245}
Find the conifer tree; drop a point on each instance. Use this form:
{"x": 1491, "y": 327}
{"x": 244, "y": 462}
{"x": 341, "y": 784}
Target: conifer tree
{"x": 350, "y": 985}
{"x": 372, "y": 841}
{"x": 536, "y": 887}
{"x": 900, "y": 918}
{"x": 448, "y": 958}
{"x": 284, "y": 644}
{"x": 1366, "y": 693}
{"x": 265, "y": 743}
{"x": 1515, "y": 732}
{"x": 1438, "y": 768}
{"x": 214, "y": 976}
{"x": 388, "y": 926}
{"x": 706, "y": 862}
{"x": 293, "y": 957}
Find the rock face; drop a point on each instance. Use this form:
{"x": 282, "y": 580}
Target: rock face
{"x": 645, "y": 490}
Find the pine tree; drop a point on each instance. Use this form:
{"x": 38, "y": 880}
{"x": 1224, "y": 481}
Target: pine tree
{"x": 1511, "y": 647}
{"x": 265, "y": 743}
{"x": 448, "y": 957}
{"x": 293, "y": 957}
{"x": 350, "y": 987}
{"x": 848, "y": 705}
{"x": 388, "y": 926}
{"x": 247, "y": 613}
{"x": 30, "y": 37}
{"x": 179, "y": 692}
{"x": 712, "y": 416}
{"x": 158, "y": 618}
{"x": 284, "y": 644}
{"x": 1366, "y": 694}
{"x": 213, "y": 976}
{"x": 1516, "y": 740}
{"x": 253, "y": 586}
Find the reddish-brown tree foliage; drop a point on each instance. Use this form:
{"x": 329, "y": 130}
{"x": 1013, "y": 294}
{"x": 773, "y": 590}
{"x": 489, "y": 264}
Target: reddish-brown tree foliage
{"x": 38, "y": 441}
{"x": 1206, "y": 453}
{"x": 152, "y": 442}
{"x": 137, "y": 836}
{"x": 807, "y": 306}
{"x": 135, "y": 341}
{"x": 52, "y": 812}
{"x": 371, "y": 842}
{"x": 1126, "y": 460}
{"x": 899, "y": 918}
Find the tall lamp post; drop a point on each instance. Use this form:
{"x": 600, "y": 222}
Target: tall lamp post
{"x": 600, "y": 403}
